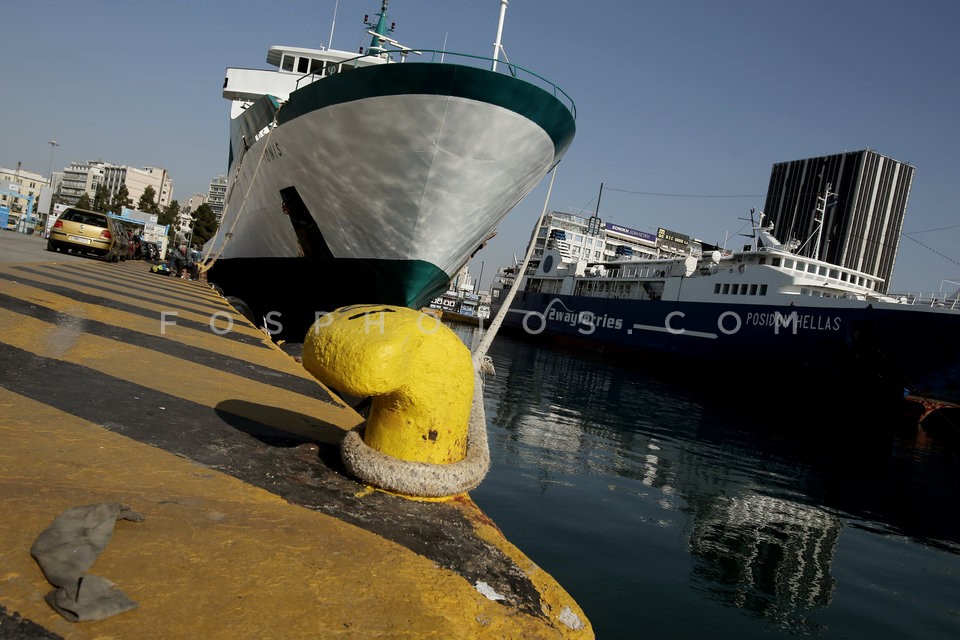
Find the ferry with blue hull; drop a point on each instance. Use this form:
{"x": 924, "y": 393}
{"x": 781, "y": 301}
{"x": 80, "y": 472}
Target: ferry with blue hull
{"x": 373, "y": 178}
{"x": 765, "y": 306}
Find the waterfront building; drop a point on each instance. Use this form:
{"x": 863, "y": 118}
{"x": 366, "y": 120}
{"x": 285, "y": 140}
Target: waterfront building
{"x": 183, "y": 226}
{"x": 156, "y": 177}
{"x": 588, "y": 240}
{"x": 86, "y": 177}
{"x": 80, "y": 178}
{"x": 18, "y": 187}
{"x": 193, "y": 202}
{"x": 593, "y": 240}
{"x": 217, "y": 196}
{"x": 865, "y": 201}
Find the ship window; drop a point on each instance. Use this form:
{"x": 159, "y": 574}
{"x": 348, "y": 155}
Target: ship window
{"x": 775, "y": 262}
{"x": 811, "y": 268}
{"x": 726, "y": 288}
{"x": 763, "y": 260}
{"x": 287, "y": 63}
{"x": 763, "y": 289}
{"x": 822, "y": 271}
{"x": 716, "y": 288}
{"x": 303, "y": 64}
{"x": 834, "y": 273}
{"x": 843, "y": 276}
{"x": 316, "y": 66}
{"x": 743, "y": 289}
{"x": 753, "y": 289}
{"x": 734, "y": 288}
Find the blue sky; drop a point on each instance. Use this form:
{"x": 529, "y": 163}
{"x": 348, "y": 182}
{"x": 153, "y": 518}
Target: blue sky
{"x": 687, "y": 97}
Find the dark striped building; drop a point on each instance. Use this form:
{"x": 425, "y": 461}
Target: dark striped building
{"x": 863, "y": 220}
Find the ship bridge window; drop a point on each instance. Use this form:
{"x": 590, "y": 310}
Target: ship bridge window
{"x": 316, "y": 66}
{"x": 753, "y": 289}
{"x": 286, "y": 64}
{"x": 734, "y": 289}
{"x": 743, "y": 289}
{"x": 716, "y": 288}
{"x": 822, "y": 271}
{"x": 726, "y": 288}
{"x": 303, "y": 65}
{"x": 775, "y": 262}
{"x": 763, "y": 289}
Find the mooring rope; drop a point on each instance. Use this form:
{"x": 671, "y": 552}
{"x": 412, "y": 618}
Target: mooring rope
{"x": 428, "y": 480}
{"x": 481, "y": 361}
{"x": 210, "y": 261}
{"x": 423, "y": 479}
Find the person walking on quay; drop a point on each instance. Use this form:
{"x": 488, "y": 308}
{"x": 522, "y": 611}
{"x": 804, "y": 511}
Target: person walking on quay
{"x": 179, "y": 261}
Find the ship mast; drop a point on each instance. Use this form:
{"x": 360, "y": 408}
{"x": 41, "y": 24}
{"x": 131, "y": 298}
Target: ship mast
{"x": 497, "y": 46}
{"x": 593, "y": 225}
{"x": 818, "y": 215}
{"x": 333, "y": 24}
{"x": 379, "y": 31}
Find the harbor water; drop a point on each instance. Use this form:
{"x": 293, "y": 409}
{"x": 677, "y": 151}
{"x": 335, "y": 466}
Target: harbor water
{"x": 700, "y": 504}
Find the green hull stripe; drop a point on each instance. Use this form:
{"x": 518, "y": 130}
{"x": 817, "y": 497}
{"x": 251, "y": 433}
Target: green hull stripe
{"x": 299, "y": 287}
{"x": 424, "y": 78}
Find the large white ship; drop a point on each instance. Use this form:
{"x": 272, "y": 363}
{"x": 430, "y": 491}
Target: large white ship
{"x": 373, "y": 177}
{"x": 766, "y": 314}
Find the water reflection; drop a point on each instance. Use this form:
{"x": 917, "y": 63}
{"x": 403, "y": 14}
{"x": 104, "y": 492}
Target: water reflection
{"x": 764, "y": 554}
{"x": 761, "y": 492}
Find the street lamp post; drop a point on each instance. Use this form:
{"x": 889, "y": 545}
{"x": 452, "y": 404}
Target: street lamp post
{"x": 53, "y": 146}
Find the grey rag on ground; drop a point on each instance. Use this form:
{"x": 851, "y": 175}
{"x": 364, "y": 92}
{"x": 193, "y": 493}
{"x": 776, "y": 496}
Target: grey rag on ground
{"x": 68, "y": 548}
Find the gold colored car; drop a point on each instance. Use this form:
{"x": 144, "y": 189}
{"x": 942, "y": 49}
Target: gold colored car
{"x": 85, "y": 232}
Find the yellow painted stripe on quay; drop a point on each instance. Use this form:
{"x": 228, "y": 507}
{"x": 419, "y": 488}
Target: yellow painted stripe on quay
{"x": 180, "y": 378}
{"x": 158, "y": 306}
{"x": 199, "y": 338}
{"x": 215, "y": 557}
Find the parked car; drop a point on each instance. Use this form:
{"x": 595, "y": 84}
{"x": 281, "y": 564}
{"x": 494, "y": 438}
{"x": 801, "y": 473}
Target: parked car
{"x": 150, "y": 250}
{"x": 123, "y": 240}
{"x": 85, "y": 232}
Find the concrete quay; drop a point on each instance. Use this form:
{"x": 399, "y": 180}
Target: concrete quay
{"x": 122, "y": 386}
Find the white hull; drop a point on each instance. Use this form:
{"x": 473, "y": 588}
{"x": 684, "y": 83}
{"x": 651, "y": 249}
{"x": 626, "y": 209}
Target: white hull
{"x": 403, "y": 177}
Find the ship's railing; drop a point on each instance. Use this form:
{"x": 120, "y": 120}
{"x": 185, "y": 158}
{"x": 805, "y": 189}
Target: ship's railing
{"x": 437, "y": 55}
{"x": 929, "y": 299}
{"x": 632, "y": 272}
{"x": 806, "y": 268}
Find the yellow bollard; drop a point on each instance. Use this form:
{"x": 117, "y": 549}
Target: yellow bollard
{"x": 418, "y": 372}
